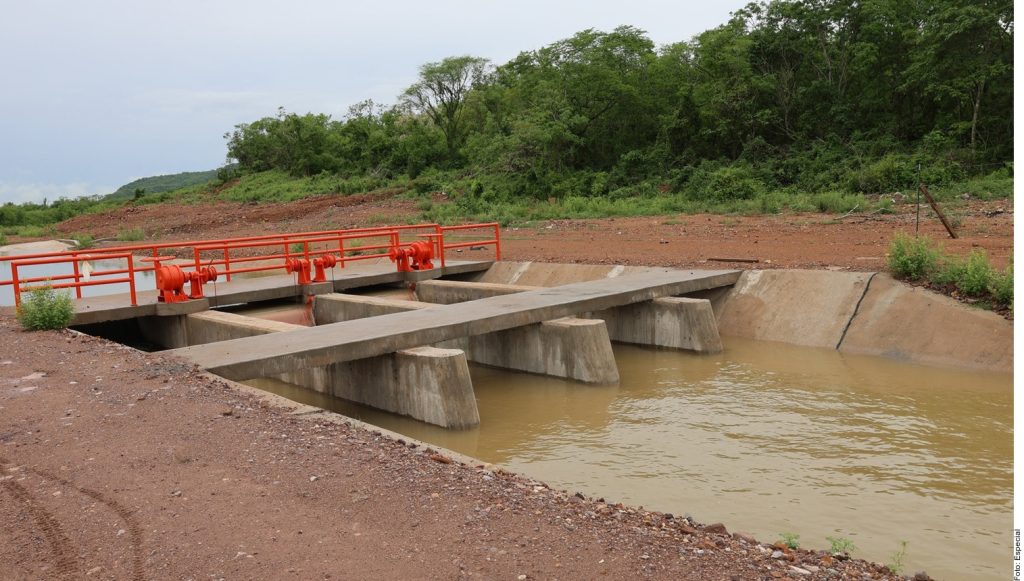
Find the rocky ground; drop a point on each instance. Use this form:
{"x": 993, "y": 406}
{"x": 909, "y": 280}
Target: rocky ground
{"x": 118, "y": 464}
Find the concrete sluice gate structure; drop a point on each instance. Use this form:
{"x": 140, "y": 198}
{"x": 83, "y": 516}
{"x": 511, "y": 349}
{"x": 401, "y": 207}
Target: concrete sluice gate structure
{"x": 410, "y": 356}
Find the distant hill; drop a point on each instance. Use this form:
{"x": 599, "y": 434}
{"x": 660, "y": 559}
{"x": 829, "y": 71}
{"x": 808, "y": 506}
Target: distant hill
{"x": 157, "y": 184}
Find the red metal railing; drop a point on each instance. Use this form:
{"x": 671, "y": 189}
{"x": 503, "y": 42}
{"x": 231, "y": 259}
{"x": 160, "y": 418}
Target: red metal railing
{"x": 17, "y": 281}
{"x": 334, "y": 242}
{"x": 443, "y": 246}
{"x": 224, "y": 264}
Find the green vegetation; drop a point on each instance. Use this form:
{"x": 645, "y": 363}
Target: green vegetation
{"x": 132, "y": 235}
{"x": 895, "y": 564}
{"x": 45, "y": 308}
{"x": 157, "y": 184}
{"x": 840, "y": 545}
{"x": 791, "y": 105}
{"x": 3, "y": 239}
{"x": 921, "y": 260}
{"x": 911, "y": 258}
{"x": 791, "y": 540}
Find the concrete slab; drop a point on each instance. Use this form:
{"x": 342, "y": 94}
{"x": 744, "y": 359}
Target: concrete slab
{"x": 429, "y": 384}
{"x": 671, "y": 322}
{"x": 912, "y": 324}
{"x": 266, "y": 356}
{"x": 800, "y": 307}
{"x": 552, "y": 274}
{"x": 571, "y": 348}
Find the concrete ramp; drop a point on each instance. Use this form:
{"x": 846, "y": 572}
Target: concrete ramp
{"x": 270, "y": 355}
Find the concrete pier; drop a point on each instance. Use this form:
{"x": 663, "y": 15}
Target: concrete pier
{"x": 671, "y": 322}
{"x": 427, "y": 383}
{"x": 572, "y": 348}
{"x": 263, "y": 356}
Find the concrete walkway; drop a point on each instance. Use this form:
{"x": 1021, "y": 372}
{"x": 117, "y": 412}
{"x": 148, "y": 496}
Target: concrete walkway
{"x": 270, "y": 355}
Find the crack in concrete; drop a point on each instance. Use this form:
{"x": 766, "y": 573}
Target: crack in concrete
{"x": 856, "y": 310}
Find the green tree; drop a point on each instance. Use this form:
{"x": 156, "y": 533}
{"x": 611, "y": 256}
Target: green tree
{"x": 441, "y": 94}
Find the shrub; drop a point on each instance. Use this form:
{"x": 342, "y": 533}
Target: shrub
{"x": 912, "y": 258}
{"x": 949, "y": 272}
{"x": 841, "y": 545}
{"x": 45, "y": 308}
{"x": 1002, "y": 287}
{"x": 976, "y": 276}
{"x": 791, "y": 540}
{"x": 3, "y": 239}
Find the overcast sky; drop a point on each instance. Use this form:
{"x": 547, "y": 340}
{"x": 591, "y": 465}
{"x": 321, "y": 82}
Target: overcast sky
{"x": 96, "y": 94}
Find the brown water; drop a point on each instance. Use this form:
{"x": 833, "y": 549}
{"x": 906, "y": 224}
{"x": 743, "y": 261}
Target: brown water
{"x": 767, "y": 438}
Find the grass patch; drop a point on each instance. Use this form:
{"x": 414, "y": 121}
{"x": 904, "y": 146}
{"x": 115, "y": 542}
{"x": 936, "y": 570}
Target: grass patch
{"x": 921, "y": 260}
{"x": 44, "y": 308}
{"x": 133, "y": 235}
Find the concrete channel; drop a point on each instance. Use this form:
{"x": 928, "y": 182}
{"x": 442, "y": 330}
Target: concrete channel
{"x": 411, "y": 357}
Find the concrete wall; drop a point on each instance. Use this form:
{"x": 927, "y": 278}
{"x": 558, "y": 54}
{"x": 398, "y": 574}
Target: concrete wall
{"x": 570, "y": 348}
{"x": 427, "y": 383}
{"x": 820, "y": 308}
{"x": 864, "y": 313}
{"x": 912, "y": 324}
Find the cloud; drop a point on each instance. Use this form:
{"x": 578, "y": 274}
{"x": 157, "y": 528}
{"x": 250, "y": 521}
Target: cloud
{"x": 34, "y": 192}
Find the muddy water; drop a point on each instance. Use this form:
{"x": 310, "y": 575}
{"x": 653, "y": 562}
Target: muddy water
{"x": 766, "y": 438}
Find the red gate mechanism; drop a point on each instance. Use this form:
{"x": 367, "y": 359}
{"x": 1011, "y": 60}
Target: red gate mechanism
{"x": 171, "y": 279}
{"x": 415, "y": 256}
{"x": 302, "y": 267}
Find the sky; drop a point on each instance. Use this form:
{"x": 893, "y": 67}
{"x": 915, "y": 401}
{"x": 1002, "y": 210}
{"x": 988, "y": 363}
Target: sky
{"x": 96, "y": 94}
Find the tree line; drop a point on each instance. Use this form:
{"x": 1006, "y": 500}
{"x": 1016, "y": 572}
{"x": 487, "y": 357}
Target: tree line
{"x": 804, "y": 95}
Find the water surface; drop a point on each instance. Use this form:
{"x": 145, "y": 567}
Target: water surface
{"x": 767, "y": 438}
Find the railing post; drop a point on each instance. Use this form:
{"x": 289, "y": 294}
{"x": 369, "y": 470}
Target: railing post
{"x": 195, "y": 254}
{"x": 341, "y": 250}
{"x": 497, "y": 241}
{"x": 74, "y": 262}
{"x": 227, "y": 264}
{"x": 17, "y": 284}
{"x": 440, "y": 242}
{"x": 131, "y": 279}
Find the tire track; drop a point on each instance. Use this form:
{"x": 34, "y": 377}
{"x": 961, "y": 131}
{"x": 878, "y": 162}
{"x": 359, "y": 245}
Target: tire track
{"x": 61, "y": 549}
{"x": 55, "y": 535}
{"x": 131, "y": 525}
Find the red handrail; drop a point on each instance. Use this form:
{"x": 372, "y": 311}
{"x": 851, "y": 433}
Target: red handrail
{"x": 77, "y": 285}
{"x": 285, "y": 240}
{"x": 444, "y": 246}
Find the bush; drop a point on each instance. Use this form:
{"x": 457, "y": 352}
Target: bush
{"x": 1002, "y": 287}
{"x": 976, "y": 276}
{"x": 912, "y": 258}
{"x": 45, "y": 308}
